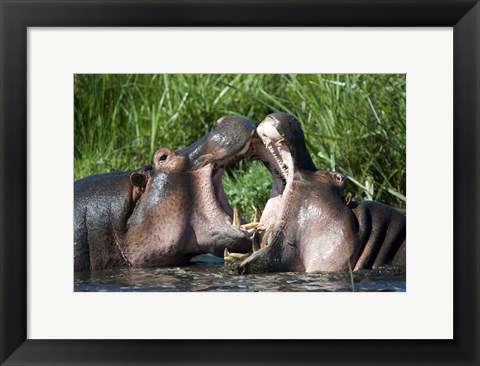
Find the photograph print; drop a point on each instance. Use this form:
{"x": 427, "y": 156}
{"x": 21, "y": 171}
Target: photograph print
{"x": 240, "y": 182}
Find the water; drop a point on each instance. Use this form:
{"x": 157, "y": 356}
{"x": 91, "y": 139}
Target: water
{"x": 208, "y": 273}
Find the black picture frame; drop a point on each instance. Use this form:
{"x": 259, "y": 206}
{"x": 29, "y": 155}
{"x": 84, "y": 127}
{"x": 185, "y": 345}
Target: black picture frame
{"x": 18, "y": 15}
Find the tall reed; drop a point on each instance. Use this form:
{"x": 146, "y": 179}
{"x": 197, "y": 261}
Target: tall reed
{"x": 354, "y": 124}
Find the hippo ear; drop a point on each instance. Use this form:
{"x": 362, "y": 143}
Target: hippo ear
{"x": 348, "y": 199}
{"x": 138, "y": 179}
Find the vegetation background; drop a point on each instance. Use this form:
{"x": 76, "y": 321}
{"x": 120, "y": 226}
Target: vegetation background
{"x": 353, "y": 123}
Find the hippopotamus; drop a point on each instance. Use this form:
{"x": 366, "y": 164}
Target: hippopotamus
{"x": 165, "y": 213}
{"x": 307, "y": 224}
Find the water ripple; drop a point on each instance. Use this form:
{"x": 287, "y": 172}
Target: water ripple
{"x": 207, "y": 273}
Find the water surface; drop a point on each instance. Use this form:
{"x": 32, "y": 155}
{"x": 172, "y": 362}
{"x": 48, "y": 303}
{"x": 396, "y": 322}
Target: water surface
{"x": 208, "y": 273}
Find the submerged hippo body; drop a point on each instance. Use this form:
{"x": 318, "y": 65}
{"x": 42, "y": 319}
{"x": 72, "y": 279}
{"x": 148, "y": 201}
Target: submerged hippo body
{"x": 166, "y": 213}
{"x": 103, "y": 203}
{"x": 306, "y": 225}
{"x": 382, "y": 233}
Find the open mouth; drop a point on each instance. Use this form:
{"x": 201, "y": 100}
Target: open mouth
{"x": 231, "y": 215}
{"x": 272, "y": 148}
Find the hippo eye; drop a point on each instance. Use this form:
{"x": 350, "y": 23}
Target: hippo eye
{"x": 339, "y": 178}
{"x": 163, "y": 157}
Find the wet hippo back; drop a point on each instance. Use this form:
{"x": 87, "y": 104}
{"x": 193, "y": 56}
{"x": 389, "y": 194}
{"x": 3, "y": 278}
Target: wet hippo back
{"x": 102, "y": 206}
{"x": 382, "y": 233}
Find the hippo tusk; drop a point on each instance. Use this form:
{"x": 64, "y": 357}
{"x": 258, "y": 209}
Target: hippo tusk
{"x": 258, "y": 214}
{"x": 279, "y": 142}
{"x": 267, "y": 142}
{"x": 236, "y": 217}
{"x": 251, "y": 225}
{"x": 232, "y": 257}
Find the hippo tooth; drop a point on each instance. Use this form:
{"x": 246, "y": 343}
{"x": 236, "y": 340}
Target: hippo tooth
{"x": 236, "y": 217}
{"x": 258, "y": 214}
{"x": 251, "y": 225}
{"x": 268, "y": 143}
{"x": 278, "y": 160}
{"x": 279, "y": 142}
{"x": 236, "y": 256}
{"x": 226, "y": 253}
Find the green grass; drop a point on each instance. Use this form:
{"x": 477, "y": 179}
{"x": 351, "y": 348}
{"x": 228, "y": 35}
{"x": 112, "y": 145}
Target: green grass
{"x": 354, "y": 124}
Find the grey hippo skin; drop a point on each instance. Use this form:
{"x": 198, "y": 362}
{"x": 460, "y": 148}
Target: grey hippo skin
{"x": 307, "y": 225}
{"x": 166, "y": 213}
